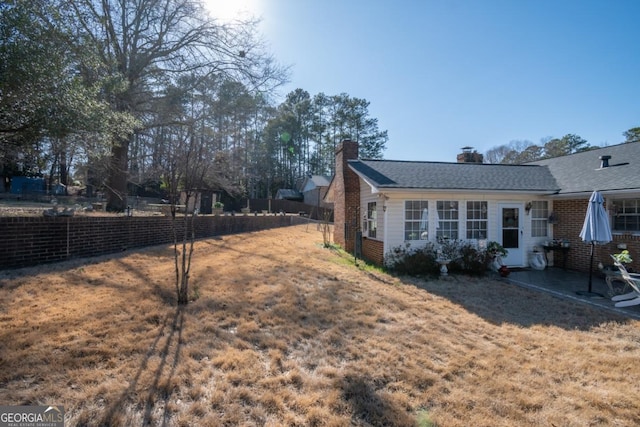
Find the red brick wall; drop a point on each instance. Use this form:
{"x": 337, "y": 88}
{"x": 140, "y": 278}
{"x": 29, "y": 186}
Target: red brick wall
{"x": 28, "y": 241}
{"x": 571, "y": 215}
{"x": 373, "y": 251}
{"x": 346, "y": 197}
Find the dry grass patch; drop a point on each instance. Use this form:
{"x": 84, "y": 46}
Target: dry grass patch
{"x": 286, "y": 332}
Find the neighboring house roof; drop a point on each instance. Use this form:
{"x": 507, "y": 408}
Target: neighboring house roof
{"x": 581, "y": 172}
{"x": 315, "y": 181}
{"x": 288, "y": 194}
{"x": 390, "y": 174}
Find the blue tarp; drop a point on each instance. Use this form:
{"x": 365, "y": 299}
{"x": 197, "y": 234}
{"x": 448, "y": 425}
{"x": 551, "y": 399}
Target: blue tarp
{"x": 27, "y": 185}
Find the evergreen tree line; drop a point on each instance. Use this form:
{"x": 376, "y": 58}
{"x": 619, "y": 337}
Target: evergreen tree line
{"x": 255, "y": 148}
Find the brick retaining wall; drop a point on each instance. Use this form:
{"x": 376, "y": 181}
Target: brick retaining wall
{"x": 372, "y": 251}
{"x": 28, "y": 241}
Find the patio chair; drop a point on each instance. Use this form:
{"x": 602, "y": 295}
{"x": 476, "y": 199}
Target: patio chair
{"x": 614, "y": 280}
{"x": 633, "y": 280}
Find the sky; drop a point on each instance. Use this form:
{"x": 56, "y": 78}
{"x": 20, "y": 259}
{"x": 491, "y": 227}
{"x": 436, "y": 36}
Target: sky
{"x": 443, "y": 74}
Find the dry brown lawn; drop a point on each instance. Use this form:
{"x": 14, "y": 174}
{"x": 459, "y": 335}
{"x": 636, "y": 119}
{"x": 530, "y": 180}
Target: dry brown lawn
{"x": 285, "y": 332}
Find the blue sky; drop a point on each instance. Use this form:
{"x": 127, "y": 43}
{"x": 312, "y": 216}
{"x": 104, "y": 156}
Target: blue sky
{"x": 443, "y": 74}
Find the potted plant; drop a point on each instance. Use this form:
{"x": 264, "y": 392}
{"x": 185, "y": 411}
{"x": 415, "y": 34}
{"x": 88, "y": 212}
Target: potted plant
{"x": 504, "y": 271}
{"x": 623, "y": 257}
{"x": 496, "y": 251}
{"x": 218, "y": 207}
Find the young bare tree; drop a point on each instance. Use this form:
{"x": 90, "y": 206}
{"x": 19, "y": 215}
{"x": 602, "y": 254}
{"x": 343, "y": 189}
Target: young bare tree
{"x": 192, "y": 160}
{"x": 182, "y": 166}
{"x": 187, "y": 166}
{"x": 325, "y": 227}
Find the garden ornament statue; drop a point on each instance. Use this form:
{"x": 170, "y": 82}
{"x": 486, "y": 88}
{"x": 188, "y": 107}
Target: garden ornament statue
{"x": 496, "y": 251}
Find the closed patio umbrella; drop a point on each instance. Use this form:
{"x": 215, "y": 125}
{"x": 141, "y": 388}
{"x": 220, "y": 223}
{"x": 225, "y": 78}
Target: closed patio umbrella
{"x": 596, "y": 229}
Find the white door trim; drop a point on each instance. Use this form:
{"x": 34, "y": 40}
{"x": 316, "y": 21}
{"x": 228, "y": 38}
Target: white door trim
{"x": 511, "y": 231}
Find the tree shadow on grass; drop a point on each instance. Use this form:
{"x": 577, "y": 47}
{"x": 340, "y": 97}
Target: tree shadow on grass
{"x": 370, "y": 407}
{"x": 11, "y": 278}
{"x": 498, "y": 301}
{"x": 162, "y": 385}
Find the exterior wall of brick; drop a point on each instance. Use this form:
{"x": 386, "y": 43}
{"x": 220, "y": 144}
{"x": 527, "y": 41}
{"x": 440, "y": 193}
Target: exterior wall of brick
{"x": 571, "y": 215}
{"x": 346, "y": 197}
{"x": 29, "y": 241}
{"x": 373, "y": 251}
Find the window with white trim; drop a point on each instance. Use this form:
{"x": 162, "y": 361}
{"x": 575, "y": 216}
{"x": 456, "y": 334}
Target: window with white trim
{"x": 416, "y": 220}
{"x": 626, "y": 215}
{"x": 477, "y": 220}
{"x": 447, "y": 219}
{"x": 372, "y": 219}
{"x": 539, "y": 218}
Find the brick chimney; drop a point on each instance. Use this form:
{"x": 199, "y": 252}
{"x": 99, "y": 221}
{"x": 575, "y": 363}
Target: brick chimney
{"x": 346, "y": 218}
{"x": 469, "y": 155}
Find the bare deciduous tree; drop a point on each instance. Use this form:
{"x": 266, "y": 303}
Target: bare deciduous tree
{"x": 146, "y": 44}
{"x": 523, "y": 151}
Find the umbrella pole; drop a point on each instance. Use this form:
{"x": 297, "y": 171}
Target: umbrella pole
{"x": 591, "y": 268}
{"x": 589, "y": 293}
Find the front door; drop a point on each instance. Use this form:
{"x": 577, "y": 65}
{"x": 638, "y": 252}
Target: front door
{"x": 511, "y": 233}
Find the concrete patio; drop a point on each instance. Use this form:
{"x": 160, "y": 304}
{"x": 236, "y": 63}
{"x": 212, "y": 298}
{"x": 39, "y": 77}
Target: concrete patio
{"x": 566, "y": 284}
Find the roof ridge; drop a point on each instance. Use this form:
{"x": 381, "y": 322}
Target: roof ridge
{"x": 441, "y": 163}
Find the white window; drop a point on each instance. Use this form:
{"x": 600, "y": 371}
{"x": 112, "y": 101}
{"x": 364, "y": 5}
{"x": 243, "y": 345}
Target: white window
{"x": 372, "y": 219}
{"x": 416, "y": 220}
{"x": 447, "y": 219}
{"x": 476, "y": 220}
{"x": 626, "y": 215}
{"x": 539, "y": 218}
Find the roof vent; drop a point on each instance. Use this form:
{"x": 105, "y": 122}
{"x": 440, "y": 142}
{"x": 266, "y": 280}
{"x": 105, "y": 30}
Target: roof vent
{"x": 604, "y": 161}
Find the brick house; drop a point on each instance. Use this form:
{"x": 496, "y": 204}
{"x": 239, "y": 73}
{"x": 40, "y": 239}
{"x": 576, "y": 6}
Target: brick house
{"x": 524, "y": 207}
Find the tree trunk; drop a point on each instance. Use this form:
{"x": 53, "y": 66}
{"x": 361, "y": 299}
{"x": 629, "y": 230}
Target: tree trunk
{"x": 183, "y": 257}
{"x": 183, "y": 292}
{"x": 117, "y": 180}
{"x": 64, "y": 168}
